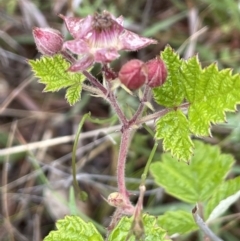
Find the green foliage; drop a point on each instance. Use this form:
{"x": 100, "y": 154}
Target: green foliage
{"x": 73, "y": 228}
{"x": 195, "y": 182}
{"x": 152, "y": 231}
{"x": 52, "y": 71}
{"x": 200, "y": 182}
{"x": 170, "y": 94}
{"x": 215, "y": 92}
{"x": 224, "y": 196}
{"x": 180, "y": 222}
{"x": 174, "y": 129}
{"x": 209, "y": 92}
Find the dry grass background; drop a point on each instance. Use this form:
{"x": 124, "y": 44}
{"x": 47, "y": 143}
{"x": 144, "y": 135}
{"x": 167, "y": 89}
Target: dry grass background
{"x": 37, "y": 129}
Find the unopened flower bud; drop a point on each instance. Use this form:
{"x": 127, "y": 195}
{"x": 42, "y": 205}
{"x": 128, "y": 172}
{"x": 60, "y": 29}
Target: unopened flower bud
{"x": 115, "y": 199}
{"x": 133, "y": 74}
{"x": 157, "y": 72}
{"x": 49, "y": 41}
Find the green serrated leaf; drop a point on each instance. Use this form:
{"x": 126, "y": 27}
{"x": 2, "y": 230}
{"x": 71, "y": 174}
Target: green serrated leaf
{"x": 215, "y": 92}
{"x": 73, "y": 93}
{"x": 151, "y": 229}
{"x": 195, "y": 182}
{"x": 177, "y": 222}
{"x": 190, "y": 74}
{"x": 73, "y": 228}
{"x": 174, "y": 129}
{"x": 209, "y": 91}
{"x": 171, "y": 93}
{"x": 223, "y": 197}
{"x": 52, "y": 71}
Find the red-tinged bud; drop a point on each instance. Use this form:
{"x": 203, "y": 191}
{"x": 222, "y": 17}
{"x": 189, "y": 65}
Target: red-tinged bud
{"x": 49, "y": 41}
{"x": 157, "y": 72}
{"x": 133, "y": 74}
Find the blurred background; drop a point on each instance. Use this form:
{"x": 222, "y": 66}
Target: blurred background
{"x": 37, "y": 129}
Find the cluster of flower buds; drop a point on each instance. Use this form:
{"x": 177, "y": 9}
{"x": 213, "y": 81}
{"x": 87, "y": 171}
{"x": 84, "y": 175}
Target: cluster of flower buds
{"x": 136, "y": 73}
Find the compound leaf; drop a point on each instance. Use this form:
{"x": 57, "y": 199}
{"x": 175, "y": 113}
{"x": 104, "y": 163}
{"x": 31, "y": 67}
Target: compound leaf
{"x": 223, "y": 197}
{"x": 52, "y": 71}
{"x": 174, "y": 129}
{"x": 195, "y": 182}
{"x": 180, "y": 222}
{"x": 73, "y": 228}
{"x": 171, "y": 93}
{"x": 209, "y": 92}
{"x": 152, "y": 231}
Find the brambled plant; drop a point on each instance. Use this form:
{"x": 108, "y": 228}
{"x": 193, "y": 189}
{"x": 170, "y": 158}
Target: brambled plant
{"x": 193, "y": 97}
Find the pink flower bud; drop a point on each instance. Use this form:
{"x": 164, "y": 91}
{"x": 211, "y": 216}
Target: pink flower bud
{"x": 49, "y": 41}
{"x": 157, "y": 72}
{"x": 133, "y": 74}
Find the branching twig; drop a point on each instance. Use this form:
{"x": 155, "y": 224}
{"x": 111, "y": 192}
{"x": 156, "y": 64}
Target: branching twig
{"x": 159, "y": 114}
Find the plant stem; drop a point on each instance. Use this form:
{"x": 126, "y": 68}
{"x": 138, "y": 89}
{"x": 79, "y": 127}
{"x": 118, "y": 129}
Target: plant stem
{"x": 159, "y": 114}
{"x": 125, "y": 140}
{"x": 202, "y": 225}
{"x": 109, "y": 75}
{"x": 115, "y": 105}
{"x": 95, "y": 82}
{"x": 146, "y": 169}
{"x": 92, "y": 90}
{"x": 74, "y": 170}
{"x": 144, "y": 99}
{"x": 89, "y": 76}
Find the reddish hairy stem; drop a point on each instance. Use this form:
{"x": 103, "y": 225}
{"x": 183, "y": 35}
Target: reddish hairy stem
{"x": 90, "y": 77}
{"x": 95, "y": 82}
{"x": 124, "y": 145}
{"x": 121, "y": 116}
{"x": 109, "y": 95}
{"x": 125, "y": 140}
{"x": 109, "y": 76}
{"x": 68, "y": 56}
